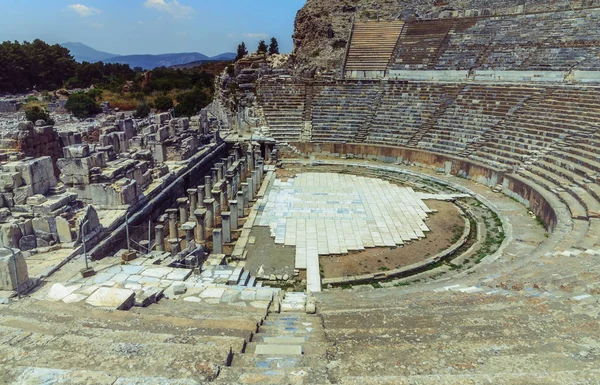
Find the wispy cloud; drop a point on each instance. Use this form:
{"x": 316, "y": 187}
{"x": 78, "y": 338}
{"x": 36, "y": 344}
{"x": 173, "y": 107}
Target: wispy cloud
{"x": 174, "y": 8}
{"x": 249, "y": 35}
{"x": 83, "y": 10}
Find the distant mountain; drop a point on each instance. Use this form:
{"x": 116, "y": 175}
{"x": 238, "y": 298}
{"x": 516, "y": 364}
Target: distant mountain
{"x": 82, "y": 52}
{"x": 149, "y": 62}
{"x": 224, "y": 56}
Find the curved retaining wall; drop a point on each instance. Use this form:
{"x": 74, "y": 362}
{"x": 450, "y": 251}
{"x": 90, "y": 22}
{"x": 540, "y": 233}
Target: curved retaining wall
{"x": 513, "y": 186}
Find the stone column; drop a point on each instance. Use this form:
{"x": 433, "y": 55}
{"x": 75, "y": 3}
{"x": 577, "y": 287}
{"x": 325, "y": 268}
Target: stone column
{"x": 201, "y": 195}
{"x": 217, "y": 241}
{"x": 250, "y": 158}
{"x": 189, "y": 228}
{"x": 183, "y": 210}
{"x": 219, "y": 171}
{"x": 207, "y": 186}
{"x": 241, "y": 203}
{"x": 249, "y": 191}
{"x": 255, "y": 182}
{"x": 173, "y": 223}
{"x": 193, "y": 197}
{"x": 175, "y": 247}
{"x": 233, "y": 209}
{"x": 159, "y": 237}
{"x": 201, "y": 227}
{"x": 229, "y": 178}
{"x": 226, "y": 226}
{"x": 216, "y": 196}
{"x": 261, "y": 169}
{"x": 223, "y": 199}
{"x": 214, "y": 175}
{"x": 210, "y": 212}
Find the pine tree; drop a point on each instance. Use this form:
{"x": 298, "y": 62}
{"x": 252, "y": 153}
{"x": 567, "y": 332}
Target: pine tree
{"x": 273, "y": 47}
{"x": 262, "y": 47}
{"x": 241, "y": 51}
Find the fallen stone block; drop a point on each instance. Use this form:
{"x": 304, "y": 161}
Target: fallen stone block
{"x": 120, "y": 299}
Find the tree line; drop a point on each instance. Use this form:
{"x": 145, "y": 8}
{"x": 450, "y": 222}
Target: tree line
{"x": 272, "y": 49}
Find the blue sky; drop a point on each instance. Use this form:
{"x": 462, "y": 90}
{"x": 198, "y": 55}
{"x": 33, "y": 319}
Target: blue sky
{"x": 151, "y": 26}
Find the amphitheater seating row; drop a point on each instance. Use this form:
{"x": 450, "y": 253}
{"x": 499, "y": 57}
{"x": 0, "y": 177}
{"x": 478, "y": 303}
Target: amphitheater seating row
{"x": 283, "y": 106}
{"x": 372, "y": 45}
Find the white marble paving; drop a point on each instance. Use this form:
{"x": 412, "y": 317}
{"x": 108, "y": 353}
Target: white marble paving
{"x": 330, "y": 214}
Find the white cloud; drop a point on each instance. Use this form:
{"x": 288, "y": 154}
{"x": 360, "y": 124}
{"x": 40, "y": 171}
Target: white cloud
{"x": 83, "y": 10}
{"x": 174, "y": 7}
{"x": 255, "y": 35}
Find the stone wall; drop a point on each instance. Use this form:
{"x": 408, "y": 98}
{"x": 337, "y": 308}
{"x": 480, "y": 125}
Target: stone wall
{"x": 533, "y": 199}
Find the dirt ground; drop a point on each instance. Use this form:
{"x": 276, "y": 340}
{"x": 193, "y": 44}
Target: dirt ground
{"x": 444, "y": 226}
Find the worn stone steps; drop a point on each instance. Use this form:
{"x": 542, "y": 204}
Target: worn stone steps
{"x": 291, "y": 375}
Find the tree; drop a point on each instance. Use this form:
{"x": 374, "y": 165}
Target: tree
{"x": 163, "y": 103}
{"x": 262, "y": 47}
{"x": 190, "y": 103}
{"x": 273, "y": 47}
{"x": 35, "y": 113}
{"x": 241, "y": 51}
{"x": 142, "y": 111}
{"x": 82, "y": 105}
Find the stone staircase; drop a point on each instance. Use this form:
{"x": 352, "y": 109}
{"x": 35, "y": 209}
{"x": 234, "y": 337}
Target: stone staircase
{"x": 169, "y": 343}
{"x": 363, "y": 131}
{"x": 439, "y": 111}
{"x": 289, "y": 348}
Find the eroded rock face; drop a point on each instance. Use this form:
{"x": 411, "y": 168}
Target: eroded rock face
{"x": 322, "y": 27}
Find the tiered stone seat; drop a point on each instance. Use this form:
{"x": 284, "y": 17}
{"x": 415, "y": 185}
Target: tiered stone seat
{"x": 283, "y": 106}
{"x": 476, "y": 110}
{"x": 543, "y": 121}
{"x": 404, "y": 109}
{"x": 372, "y": 45}
{"x": 421, "y": 42}
{"x": 339, "y": 110}
{"x": 555, "y": 41}
{"x": 389, "y": 337}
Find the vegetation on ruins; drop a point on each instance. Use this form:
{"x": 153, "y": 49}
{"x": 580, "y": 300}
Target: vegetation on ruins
{"x": 241, "y": 51}
{"x": 163, "y": 103}
{"x": 82, "y": 105}
{"x": 190, "y": 103}
{"x": 273, "y": 47}
{"x": 35, "y": 113}
{"x": 142, "y": 111}
{"x": 262, "y": 47}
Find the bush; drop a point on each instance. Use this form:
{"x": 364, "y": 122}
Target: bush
{"x": 163, "y": 103}
{"x": 95, "y": 93}
{"x": 35, "y": 113}
{"x": 81, "y": 105}
{"x": 190, "y": 103}
{"x": 142, "y": 111}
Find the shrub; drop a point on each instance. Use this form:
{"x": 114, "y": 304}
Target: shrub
{"x": 163, "y": 103}
{"x": 142, "y": 111}
{"x": 35, "y": 113}
{"x": 81, "y": 105}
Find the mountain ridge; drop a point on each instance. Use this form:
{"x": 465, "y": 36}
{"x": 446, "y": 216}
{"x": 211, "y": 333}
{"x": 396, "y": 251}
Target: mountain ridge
{"x": 82, "y": 52}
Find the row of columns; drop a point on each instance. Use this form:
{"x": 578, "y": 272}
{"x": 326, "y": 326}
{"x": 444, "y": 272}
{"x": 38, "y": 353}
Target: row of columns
{"x": 224, "y": 195}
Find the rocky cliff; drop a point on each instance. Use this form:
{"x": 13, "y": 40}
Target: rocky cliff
{"x": 322, "y": 27}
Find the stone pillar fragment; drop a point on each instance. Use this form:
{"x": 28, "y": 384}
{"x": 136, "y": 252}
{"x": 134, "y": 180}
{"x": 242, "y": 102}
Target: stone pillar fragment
{"x": 255, "y": 182}
{"x": 226, "y": 226}
{"x": 210, "y": 212}
{"x": 207, "y": 186}
{"x": 201, "y": 195}
{"x": 216, "y": 196}
{"x": 159, "y": 237}
{"x": 201, "y": 227}
{"x": 233, "y": 209}
{"x": 173, "y": 223}
{"x": 183, "y": 210}
{"x": 217, "y": 241}
{"x": 189, "y": 228}
{"x": 193, "y": 198}
{"x": 241, "y": 198}
{"x": 175, "y": 247}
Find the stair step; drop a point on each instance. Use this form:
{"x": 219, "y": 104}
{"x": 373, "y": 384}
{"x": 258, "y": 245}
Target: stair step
{"x": 246, "y": 360}
{"x": 297, "y": 375}
{"x": 311, "y": 348}
{"x": 279, "y": 350}
{"x": 284, "y": 340}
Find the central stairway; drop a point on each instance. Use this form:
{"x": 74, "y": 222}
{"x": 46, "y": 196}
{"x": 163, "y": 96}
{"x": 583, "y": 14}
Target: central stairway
{"x": 289, "y": 348}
